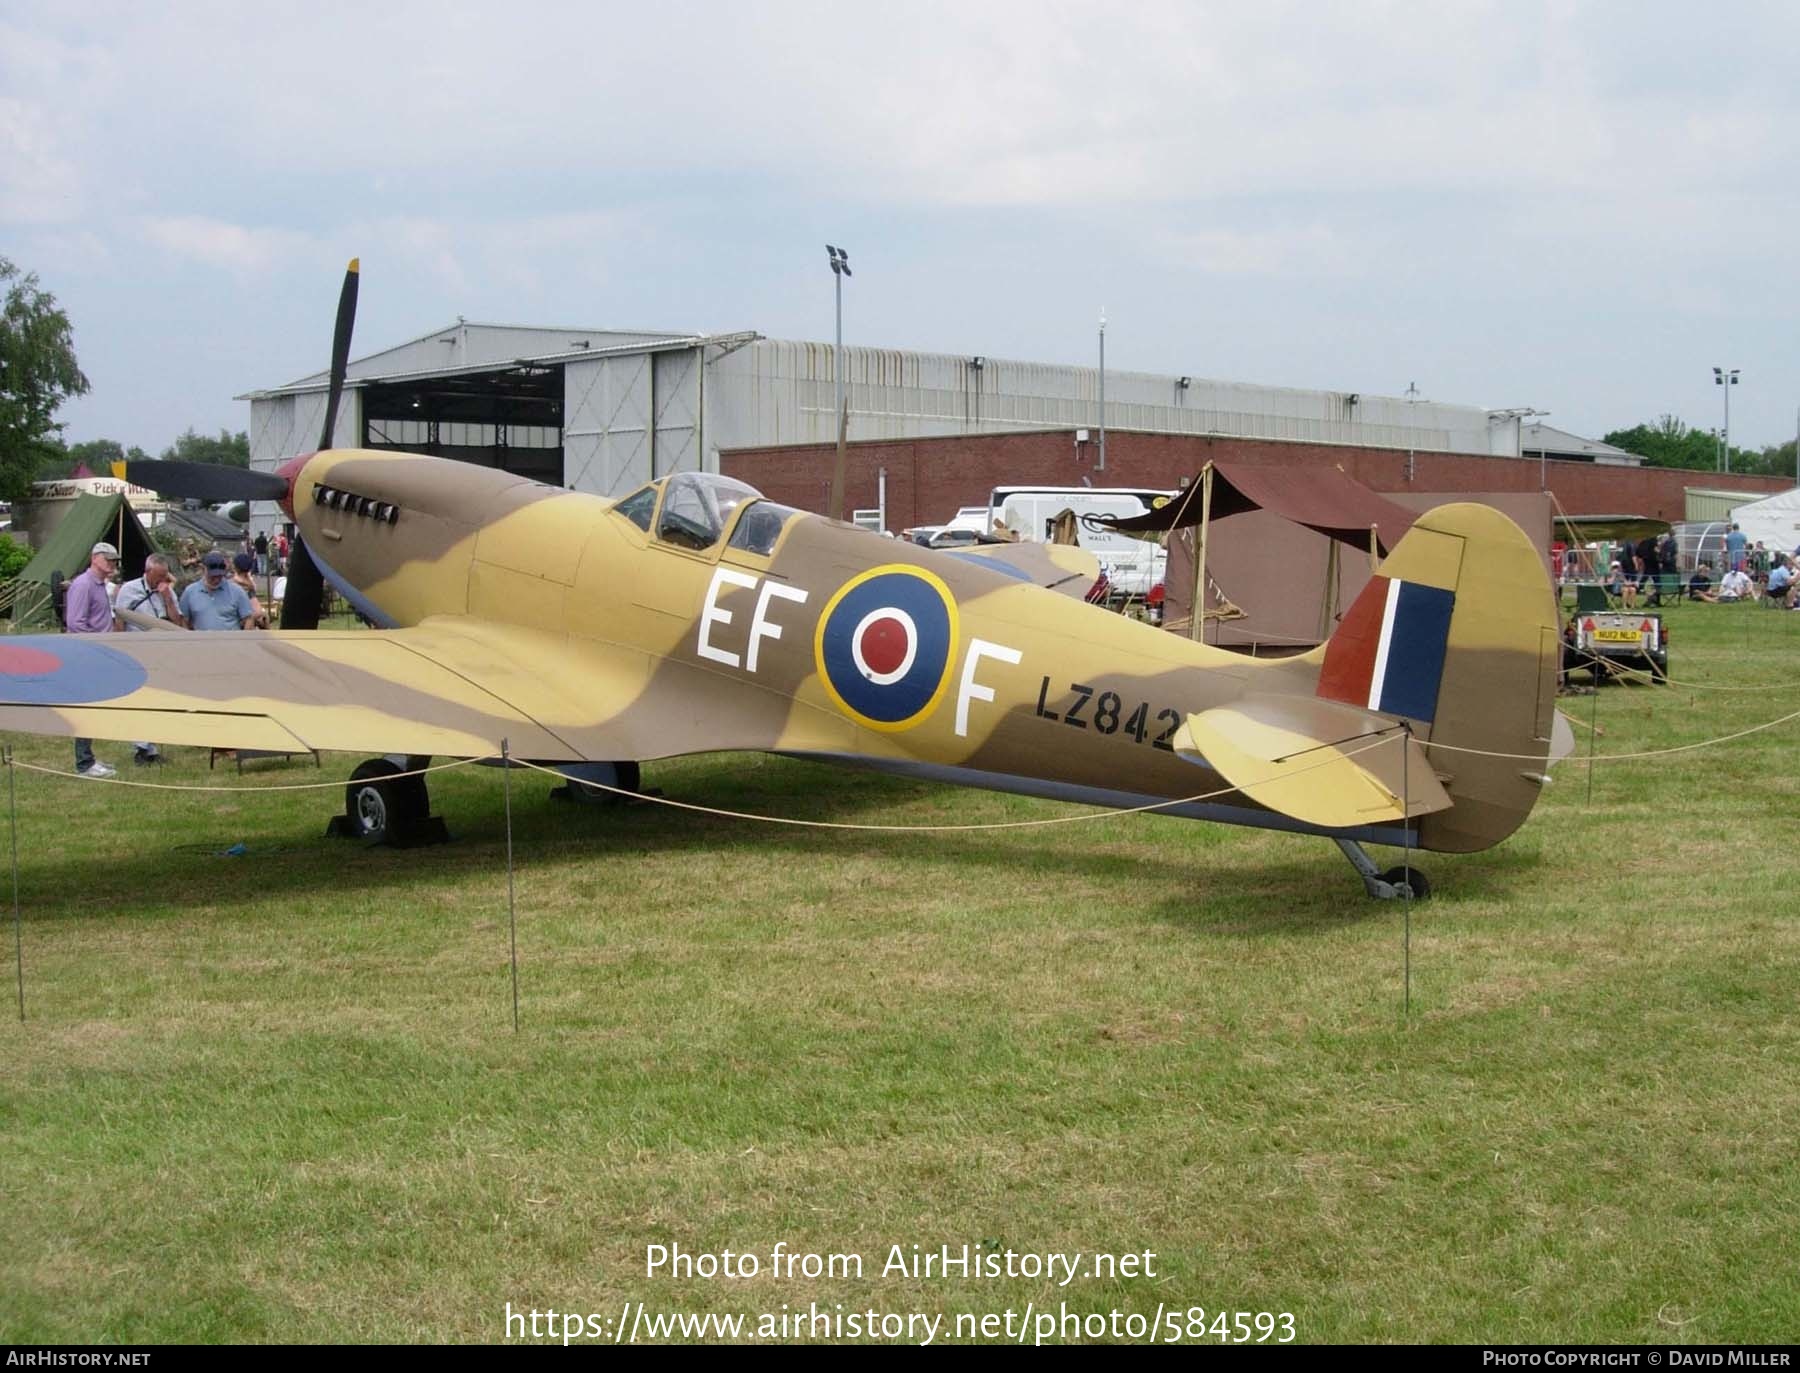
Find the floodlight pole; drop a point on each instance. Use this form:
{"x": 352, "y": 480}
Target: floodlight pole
{"x": 1412, "y": 396}
{"x": 840, "y": 268}
{"x": 837, "y": 351}
{"x": 1728, "y": 378}
{"x": 1100, "y": 466}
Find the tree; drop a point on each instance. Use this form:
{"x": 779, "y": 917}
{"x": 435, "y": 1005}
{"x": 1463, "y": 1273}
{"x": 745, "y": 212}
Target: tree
{"x": 1670, "y": 443}
{"x": 228, "y": 450}
{"x": 97, "y": 455}
{"x": 1779, "y": 460}
{"x": 13, "y": 557}
{"x": 37, "y": 374}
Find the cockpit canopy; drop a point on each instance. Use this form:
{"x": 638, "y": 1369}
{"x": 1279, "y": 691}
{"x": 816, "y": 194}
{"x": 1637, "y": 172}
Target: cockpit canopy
{"x": 694, "y": 509}
{"x": 697, "y": 506}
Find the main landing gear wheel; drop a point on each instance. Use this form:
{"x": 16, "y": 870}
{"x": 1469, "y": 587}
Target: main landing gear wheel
{"x": 384, "y": 806}
{"x": 373, "y": 804}
{"x": 599, "y": 784}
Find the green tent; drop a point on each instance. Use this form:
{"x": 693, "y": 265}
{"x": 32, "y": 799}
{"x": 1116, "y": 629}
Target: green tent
{"x": 69, "y": 549}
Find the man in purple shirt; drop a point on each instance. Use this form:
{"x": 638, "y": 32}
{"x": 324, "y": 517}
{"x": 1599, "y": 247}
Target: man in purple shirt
{"x": 87, "y": 610}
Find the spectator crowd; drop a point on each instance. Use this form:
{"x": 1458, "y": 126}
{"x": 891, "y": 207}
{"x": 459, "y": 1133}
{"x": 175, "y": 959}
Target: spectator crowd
{"x": 221, "y": 596}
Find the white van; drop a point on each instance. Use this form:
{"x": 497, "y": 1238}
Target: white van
{"x": 1133, "y": 565}
{"x": 970, "y": 524}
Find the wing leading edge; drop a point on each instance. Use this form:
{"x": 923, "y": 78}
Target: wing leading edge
{"x": 449, "y": 687}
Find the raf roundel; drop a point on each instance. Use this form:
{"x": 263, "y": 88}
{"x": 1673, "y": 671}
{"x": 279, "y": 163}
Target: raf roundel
{"x": 884, "y": 646}
{"x": 65, "y": 671}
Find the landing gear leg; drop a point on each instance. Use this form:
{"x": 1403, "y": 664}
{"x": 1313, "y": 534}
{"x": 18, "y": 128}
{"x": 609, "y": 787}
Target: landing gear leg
{"x": 1395, "y": 883}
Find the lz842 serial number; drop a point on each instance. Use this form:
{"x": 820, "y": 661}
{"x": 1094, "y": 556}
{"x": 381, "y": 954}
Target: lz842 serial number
{"x": 1105, "y": 713}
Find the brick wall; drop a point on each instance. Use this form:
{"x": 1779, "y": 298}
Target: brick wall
{"x": 927, "y": 479}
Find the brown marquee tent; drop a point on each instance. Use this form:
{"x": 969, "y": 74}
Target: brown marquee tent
{"x": 1328, "y": 502}
{"x": 1267, "y": 545}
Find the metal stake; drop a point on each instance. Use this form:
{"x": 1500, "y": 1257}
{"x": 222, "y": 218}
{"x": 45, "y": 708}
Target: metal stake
{"x": 1593, "y": 729}
{"x": 12, "y": 805}
{"x": 1406, "y": 839}
{"x": 512, "y": 921}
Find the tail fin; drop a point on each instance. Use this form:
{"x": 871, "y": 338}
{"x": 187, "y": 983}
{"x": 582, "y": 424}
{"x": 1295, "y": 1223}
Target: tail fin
{"x": 1458, "y": 633}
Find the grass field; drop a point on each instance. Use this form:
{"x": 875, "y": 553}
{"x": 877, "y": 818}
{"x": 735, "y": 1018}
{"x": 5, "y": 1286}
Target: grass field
{"x": 279, "y": 1097}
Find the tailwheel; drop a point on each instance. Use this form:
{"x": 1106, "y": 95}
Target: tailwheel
{"x": 1407, "y": 881}
{"x": 383, "y": 805}
{"x": 1396, "y": 883}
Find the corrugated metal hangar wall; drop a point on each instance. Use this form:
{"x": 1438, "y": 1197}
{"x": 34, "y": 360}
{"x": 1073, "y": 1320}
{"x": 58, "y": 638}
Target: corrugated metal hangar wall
{"x": 605, "y": 410}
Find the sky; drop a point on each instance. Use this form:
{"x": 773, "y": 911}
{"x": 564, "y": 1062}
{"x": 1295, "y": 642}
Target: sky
{"x": 1581, "y": 208}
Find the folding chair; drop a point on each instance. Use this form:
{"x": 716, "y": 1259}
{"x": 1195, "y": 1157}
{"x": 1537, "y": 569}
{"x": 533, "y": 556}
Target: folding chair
{"x": 1590, "y": 597}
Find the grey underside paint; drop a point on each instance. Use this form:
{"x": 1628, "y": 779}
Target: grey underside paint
{"x": 1115, "y": 800}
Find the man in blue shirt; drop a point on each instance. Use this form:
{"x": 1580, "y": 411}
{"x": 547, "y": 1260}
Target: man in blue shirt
{"x": 88, "y": 610}
{"x": 213, "y": 602}
{"x": 1737, "y": 543}
{"x": 1782, "y": 584}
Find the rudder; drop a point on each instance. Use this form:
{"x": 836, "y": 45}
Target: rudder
{"x": 1457, "y": 633}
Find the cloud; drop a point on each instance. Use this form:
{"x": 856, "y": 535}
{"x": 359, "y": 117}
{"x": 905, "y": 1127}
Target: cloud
{"x": 429, "y": 248}
{"x": 244, "y": 250}
{"x": 38, "y": 183}
{"x": 1001, "y": 104}
{"x": 1300, "y": 168}
{"x": 531, "y": 255}
{"x": 1310, "y": 250}
{"x": 54, "y": 89}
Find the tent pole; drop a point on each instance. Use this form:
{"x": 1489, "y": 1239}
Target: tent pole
{"x": 1197, "y": 621}
{"x": 1374, "y": 552}
{"x": 1329, "y": 603}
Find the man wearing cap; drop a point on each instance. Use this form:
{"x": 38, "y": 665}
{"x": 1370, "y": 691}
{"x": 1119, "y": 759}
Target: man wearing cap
{"x": 87, "y": 610}
{"x": 214, "y": 602}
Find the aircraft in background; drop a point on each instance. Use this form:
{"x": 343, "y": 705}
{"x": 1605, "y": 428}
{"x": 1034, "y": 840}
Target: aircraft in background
{"x": 694, "y": 616}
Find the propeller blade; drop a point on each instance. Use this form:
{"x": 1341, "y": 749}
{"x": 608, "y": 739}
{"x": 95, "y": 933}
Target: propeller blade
{"x": 305, "y": 590}
{"x": 305, "y": 598}
{"x": 202, "y": 481}
{"x": 340, "y": 349}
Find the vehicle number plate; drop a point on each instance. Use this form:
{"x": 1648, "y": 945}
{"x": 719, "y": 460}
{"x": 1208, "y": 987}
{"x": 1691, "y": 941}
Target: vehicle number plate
{"x": 1617, "y": 636}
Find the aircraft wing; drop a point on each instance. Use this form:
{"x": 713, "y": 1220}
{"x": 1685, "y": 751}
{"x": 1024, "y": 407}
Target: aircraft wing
{"x": 453, "y": 686}
{"x": 1054, "y": 566}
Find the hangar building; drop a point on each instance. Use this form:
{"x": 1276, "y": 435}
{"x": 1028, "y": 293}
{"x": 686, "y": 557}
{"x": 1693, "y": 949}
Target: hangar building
{"x": 603, "y": 410}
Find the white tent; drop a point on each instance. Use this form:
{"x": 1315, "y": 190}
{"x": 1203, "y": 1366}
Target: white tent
{"x": 1775, "y": 520}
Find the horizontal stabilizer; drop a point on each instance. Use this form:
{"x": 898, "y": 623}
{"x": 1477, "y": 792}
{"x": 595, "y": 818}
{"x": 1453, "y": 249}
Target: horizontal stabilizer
{"x": 1317, "y": 761}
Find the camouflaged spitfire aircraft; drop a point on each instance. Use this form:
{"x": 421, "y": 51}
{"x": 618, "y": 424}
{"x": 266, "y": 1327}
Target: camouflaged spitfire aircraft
{"x": 693, "y": 615}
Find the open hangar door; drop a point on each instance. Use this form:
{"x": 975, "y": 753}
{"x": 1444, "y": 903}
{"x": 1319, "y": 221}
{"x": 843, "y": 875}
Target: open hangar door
{"x": 510, "y": 418}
